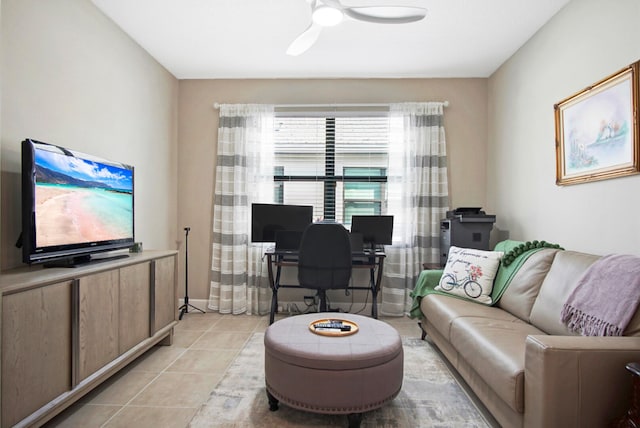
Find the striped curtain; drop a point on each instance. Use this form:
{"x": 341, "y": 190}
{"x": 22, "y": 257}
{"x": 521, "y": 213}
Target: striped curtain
{"x": 418, "y": 198}
{"x": 244, "y": 174}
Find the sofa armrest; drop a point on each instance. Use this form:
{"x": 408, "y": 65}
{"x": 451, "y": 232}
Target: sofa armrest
{"x": 577, "y": 381}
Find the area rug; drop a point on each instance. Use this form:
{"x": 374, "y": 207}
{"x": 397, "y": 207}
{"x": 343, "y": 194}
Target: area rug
{"x": 430, "y": 396}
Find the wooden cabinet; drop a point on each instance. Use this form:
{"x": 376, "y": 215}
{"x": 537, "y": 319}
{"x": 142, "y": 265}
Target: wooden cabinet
{"x": 165, "y": 308}
{"x": 36, "y": 349}
{"x": 98, "y": 321}
{"x": 64, "y": 331}
{"x": 134, "y": 319}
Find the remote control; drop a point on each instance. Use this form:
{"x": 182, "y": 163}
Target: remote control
{"x": 332, "y": 325}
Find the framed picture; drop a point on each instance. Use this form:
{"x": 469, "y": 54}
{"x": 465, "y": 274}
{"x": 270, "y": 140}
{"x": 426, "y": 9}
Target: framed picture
{"x": 597, "y": 130}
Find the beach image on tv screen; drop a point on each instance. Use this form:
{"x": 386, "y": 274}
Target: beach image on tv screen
{"x": 80, "y": 200}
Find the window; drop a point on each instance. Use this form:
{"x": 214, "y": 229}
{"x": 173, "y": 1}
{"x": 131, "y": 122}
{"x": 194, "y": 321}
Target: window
{"x": 337, "y": 163}
{"x": 363, "y": 198}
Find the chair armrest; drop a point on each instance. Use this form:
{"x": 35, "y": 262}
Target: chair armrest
{"x": 577, "y": 381}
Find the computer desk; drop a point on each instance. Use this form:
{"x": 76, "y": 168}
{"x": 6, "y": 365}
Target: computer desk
{"x": 365, "y": 260}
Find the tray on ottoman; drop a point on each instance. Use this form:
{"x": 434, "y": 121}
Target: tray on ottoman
{"x": 333, "y": 327}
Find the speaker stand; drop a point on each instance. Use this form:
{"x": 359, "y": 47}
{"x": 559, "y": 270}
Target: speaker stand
{"x": 184, "y": 309}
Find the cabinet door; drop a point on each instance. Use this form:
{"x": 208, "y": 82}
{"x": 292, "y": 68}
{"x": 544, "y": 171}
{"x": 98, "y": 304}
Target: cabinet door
{"x": 36, "y": 349}
{"x": 165, "y": 292}
{"x": 134, "y": 305}
{"x": 98, "y": 321}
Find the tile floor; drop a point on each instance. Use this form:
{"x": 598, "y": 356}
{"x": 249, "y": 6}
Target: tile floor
{"x": 165, "y": 387}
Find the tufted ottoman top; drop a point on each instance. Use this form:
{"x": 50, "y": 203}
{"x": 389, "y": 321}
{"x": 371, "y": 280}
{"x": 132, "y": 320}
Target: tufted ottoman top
{"x": 291, "y": 341}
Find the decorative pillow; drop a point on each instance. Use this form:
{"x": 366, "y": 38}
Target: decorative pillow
{"x": 469, "y": 273}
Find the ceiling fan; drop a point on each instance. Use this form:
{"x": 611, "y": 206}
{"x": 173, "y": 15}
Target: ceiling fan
{"x": 327, "y": 13}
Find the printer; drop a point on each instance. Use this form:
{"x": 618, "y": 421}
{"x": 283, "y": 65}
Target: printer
{"x": 467, "y": 227}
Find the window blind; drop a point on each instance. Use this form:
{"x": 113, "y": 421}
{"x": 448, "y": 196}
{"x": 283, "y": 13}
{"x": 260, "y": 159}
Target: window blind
{"x": 337, "y": 163}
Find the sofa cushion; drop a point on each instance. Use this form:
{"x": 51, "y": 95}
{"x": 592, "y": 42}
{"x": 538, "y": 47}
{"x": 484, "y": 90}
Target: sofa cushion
{"x": 441, "y": 311}
{"x": 567, "y": 268}
{"x": 523, "y": 289}
{"x": 495, "y": 348}
{"x": 469, "y": 273}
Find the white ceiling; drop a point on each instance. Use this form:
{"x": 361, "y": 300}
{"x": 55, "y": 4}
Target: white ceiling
{"x": 216, "y": 39}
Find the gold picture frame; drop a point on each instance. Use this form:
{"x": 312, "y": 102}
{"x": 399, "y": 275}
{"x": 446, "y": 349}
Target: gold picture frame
{"x": 597, "y": 130}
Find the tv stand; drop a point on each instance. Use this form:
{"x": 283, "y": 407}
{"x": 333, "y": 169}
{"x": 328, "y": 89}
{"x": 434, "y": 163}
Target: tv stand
{"x": 73, "y": 262}
{"x": 66, "y": 331}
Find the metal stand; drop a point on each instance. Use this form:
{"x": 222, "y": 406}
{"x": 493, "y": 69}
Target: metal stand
{"x": 184, "y": 309}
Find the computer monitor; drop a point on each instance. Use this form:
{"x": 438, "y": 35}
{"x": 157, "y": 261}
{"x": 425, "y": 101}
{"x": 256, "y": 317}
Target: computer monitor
{"x": 375, "y": 229}
{"x": 266, "y": 219}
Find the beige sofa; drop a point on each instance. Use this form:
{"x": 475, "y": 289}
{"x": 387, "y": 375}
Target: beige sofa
{"x": 522, "y": 362}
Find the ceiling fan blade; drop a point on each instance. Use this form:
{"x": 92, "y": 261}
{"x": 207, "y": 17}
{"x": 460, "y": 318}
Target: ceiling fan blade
{"x": 386, "y": 14}
{"x": 305, "y": 40}
{"x": 333, "y": 3}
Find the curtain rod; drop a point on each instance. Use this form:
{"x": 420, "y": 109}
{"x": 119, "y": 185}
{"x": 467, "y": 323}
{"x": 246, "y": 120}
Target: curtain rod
{"x": 217, "y": 105}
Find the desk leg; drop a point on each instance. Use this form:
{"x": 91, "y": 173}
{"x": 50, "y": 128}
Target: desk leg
{"x": 374, "y": 288}
{"x": 274, "y": 295}
{"x": 274, "y": 305}
{"x": 274, "y": 288}
{"x": 375, "y": 284}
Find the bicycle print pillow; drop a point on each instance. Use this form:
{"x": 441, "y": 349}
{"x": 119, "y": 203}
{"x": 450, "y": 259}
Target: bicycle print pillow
{"x": 469, "y": 273}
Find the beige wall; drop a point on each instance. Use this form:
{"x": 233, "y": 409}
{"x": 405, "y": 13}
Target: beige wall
{"x": 465, "y": 125}
{"x": 73, "y": 78}
{"x": 583, "y": 43}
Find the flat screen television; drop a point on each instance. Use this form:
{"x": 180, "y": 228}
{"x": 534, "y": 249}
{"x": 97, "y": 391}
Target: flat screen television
{"x": 267, "y": 219}
{"x": 375, "y": 229}
{"x": 73, "y": 205}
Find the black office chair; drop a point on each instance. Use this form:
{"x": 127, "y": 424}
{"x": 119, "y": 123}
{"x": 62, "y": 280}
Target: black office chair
{"x": 324, "y": 259}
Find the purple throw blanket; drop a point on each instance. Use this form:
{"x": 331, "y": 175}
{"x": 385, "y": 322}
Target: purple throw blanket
{"x": 606, "y": 297}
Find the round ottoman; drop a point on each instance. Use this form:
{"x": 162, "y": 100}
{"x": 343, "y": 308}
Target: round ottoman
{"x": 327, "y": 374}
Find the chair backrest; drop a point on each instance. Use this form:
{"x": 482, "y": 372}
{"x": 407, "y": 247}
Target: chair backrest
{"x": 324, "y": 257}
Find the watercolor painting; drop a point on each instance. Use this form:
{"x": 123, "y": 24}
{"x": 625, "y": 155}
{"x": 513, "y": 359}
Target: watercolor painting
{"x": 596, "y": 134}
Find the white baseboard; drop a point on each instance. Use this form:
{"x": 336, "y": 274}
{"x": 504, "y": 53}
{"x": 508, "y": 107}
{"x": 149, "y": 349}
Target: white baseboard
{"x": 360, "y": 308}
{"x": 290, "y": 306}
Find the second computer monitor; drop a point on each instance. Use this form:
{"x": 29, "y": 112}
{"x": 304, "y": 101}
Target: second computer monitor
{"x": 375, "y": 229}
